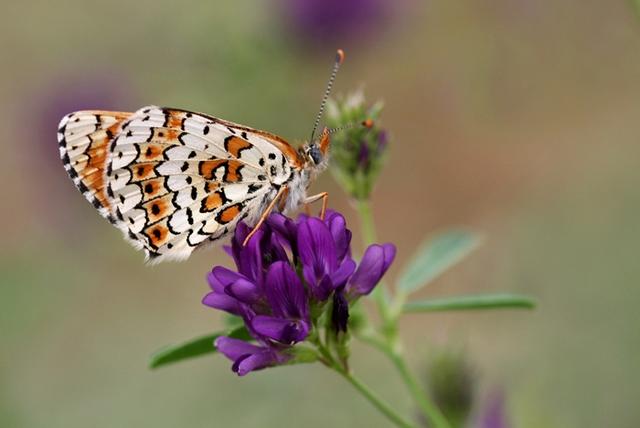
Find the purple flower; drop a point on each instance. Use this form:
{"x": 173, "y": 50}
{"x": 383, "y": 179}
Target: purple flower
{"x": 494, "y": 414}
{"x": 326, "y": 22}
{"x": 290, "y": 273}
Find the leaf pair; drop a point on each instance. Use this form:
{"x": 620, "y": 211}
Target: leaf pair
{"x": 436, "y": 256}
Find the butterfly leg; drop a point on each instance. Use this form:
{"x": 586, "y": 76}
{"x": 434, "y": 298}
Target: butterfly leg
{"x": 265, "y": 214}
{"x": 311, "y": 199}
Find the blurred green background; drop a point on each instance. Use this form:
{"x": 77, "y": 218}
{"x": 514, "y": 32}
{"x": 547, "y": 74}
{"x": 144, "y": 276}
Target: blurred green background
{"x": 517, "y": 118}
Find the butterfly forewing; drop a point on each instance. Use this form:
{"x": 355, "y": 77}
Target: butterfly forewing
{"x": 171, "y": 179}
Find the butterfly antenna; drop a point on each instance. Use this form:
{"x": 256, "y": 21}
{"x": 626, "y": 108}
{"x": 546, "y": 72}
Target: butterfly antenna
{"x": 336, "y": 67}
{"x": 368, "y": 123}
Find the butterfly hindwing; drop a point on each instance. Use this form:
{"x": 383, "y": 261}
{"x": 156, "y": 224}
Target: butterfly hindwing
{"x": 83, "y": 139}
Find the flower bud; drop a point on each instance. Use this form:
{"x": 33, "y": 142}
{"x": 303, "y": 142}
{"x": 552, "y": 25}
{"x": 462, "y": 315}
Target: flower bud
{"x": 357, "y": 152}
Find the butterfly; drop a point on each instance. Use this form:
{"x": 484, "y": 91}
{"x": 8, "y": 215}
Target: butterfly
{"x": 174, "y": 180}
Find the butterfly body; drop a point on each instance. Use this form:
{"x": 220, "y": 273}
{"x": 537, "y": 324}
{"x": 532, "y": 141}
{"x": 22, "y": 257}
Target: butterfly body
{"x": 174, "y": 180}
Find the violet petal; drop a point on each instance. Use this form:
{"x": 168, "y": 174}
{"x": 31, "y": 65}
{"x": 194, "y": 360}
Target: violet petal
{"x": 323, "y": 288}
{"x": 316, "y": 247}
{"x": 235, "y": 348}
{"x": 285, "y": 292}
{"x": 375, "y": 262}
{"x": 223, "y": 302}
{"x": 341, "y": 235}
{"x": 257, "y": 361}
{"x": 342, "y": 274}
{"x": 220, "y": 277}
{"x": 283, "y": 330}
{"x": 389, "y": 256}
{"x": 248, "y": 257}
{"x": 243, "y": 290}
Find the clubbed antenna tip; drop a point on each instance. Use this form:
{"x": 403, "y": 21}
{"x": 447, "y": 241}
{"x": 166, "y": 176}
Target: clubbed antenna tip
{"x": 332, "y": 77}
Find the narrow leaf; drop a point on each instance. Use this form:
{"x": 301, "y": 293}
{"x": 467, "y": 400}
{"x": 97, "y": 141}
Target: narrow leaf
{"x": 486, "y": 301}
{"x": 193, "y": 348}
{"x": 435, "y": 256}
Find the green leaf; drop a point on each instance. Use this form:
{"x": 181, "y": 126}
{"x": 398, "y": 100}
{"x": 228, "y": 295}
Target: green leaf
{"x": 480, "y": 301}
{"x": 193, "y": 348}
{"x": 435, "y": 256}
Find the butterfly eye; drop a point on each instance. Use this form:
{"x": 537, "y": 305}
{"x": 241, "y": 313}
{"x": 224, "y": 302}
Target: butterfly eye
{"x": 314, "y": 154}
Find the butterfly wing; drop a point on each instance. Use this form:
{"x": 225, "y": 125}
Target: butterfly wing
{"x": 83, "y": 139}
{"x": 174, "y": 180}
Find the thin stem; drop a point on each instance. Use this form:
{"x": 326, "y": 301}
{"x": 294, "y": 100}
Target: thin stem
{"x": 382, "y": 406}
{"x": 390, "y": 344}
{"x": 366, "y": 218}
{"x": 329, "y": 361}
{"x": 429, "y": 409}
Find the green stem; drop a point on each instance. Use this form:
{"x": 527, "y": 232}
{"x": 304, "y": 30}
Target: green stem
{"x": 429, "y": 409}
{"x": 390, "y": 343}
{"x": 383, "y": 407}
{"x": 328, "y": 359}
{"x": 366, "y": 219}
{"x": 392, "y": 350}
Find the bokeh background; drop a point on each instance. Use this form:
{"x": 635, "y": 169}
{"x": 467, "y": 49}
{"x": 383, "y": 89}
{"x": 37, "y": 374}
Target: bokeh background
{"x": 517, "y": 118}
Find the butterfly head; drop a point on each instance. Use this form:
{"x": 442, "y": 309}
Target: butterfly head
{"x": 316, "y": 153}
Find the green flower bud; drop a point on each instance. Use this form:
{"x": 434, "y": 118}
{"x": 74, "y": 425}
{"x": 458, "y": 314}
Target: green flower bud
{"x": 451, "y": 382}
{"x": 357, "y": 153}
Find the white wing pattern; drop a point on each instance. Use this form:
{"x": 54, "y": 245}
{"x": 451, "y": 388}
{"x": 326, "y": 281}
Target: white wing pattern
{"x": 173, "y": 180}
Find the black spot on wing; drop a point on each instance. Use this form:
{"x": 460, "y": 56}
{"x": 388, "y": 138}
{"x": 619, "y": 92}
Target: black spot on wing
{"x": 189, "y": 216}
{"x": 254, "y": 188}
